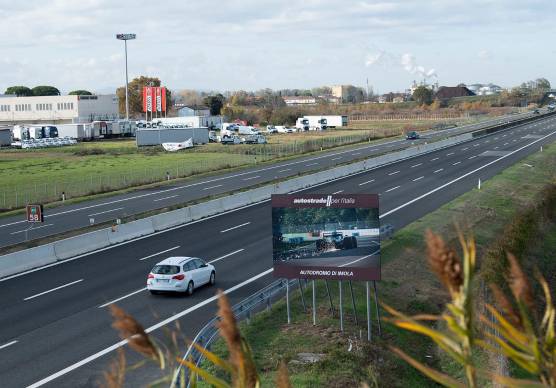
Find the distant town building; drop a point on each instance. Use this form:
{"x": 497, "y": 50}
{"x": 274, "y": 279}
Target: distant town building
{"x": 299, "y": 100}
{"x": 393, "y": 97}
{"x": 485, "y": 89}
{"x": 447, "y": 92}
{"x": 58, "y": 109}
{"x": 345, "y": 93}
{"x": 330, "y": 98}
{"x": 193, "y": 110}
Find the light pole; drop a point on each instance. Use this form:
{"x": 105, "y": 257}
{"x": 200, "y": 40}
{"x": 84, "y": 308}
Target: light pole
{"x": 125, "y": 38}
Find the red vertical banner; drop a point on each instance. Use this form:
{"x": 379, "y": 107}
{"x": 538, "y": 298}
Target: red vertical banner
{"x": 147, "y": 99}
{"x": 144, "y": 98}
{"x": 158, "y": 99}
{"x": 163, "y": 98}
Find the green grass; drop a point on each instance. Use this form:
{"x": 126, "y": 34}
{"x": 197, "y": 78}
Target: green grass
{"x": 407, "y": 285}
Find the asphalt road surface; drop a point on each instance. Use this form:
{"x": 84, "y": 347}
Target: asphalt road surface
{"x": 14, "y": 229}
{"x": 55, "y": 323}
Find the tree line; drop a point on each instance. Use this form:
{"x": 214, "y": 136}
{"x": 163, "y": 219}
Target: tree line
{"x": 41, "y": 90}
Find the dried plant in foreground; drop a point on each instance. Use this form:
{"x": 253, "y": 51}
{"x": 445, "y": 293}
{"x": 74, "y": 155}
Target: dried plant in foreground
{"x": 115, "y": 376}
{"x": 240, "y": 365}
{"x": 528, "y": 343}
{"x": 135, "y": 334}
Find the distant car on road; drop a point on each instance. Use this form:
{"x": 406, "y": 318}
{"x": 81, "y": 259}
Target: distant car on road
{"x": 536, "y": 111}
{"x": 180, "y": 274}
{"x": 412, "y": 135}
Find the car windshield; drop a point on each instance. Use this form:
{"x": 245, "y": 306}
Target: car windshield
{"x": 165, "y": 269}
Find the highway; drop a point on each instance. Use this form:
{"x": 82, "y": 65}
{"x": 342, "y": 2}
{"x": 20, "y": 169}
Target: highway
{"x": 65, "y": 218}
{"x": 55, "y": 325}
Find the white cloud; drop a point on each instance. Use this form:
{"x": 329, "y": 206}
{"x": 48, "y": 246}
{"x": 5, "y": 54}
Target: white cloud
{"x": 213, "y": 44}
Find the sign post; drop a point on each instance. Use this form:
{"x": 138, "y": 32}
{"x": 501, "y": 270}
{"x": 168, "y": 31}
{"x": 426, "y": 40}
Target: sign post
{"x": 33, "y": 214}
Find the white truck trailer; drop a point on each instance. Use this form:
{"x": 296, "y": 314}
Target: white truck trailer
{"x": 323, "y": 122}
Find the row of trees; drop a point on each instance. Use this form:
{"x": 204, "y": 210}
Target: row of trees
{"x": 42, "y": 90}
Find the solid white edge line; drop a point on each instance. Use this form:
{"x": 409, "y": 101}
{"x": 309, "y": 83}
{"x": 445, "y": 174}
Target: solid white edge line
{"x": 53, "y": 289}
{"x": 227, "y": 255}
{"x": 233, "y": 176}
{"x": 159, "y": 253}
{"x": 106, "y": 211}
{"x": 8, "y": 344}
{"x": 148, "y": 330}
{"x": 461, "y": 177}
{"x": 235, "y": 227}
{"x": 123, "y": 297}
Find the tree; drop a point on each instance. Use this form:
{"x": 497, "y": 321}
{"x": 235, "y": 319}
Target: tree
{"x": 45, "y": 90}
{"x": 80, "y": 92}
{"x": 190, "y": 97}
{"x": 422, "y": 95}
{"x": 542, "y": 84}
{"x": 20, "y": 91}
{"x": 135, "y": 94}
{"x": 215, "y": 103}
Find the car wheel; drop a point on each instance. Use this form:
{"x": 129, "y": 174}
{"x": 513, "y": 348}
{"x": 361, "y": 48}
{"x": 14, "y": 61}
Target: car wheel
{"x": 190, "y": 288}
{"x": 212, "y": 278}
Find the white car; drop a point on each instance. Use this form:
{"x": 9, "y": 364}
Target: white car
{"x": 180, "y": 274}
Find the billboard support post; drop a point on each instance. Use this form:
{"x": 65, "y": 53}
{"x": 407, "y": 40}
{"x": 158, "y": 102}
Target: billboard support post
{"x": 369, "y": 324}
{"x": 353, "y": 302}
{"x": 377, "y": 311}
{"x": 329, "y": 297}
{"x": 288, "y": 300}
{"x": 302, "y": 296}
{"x": 314, "y": 305}
{"x": 341, "y": 308}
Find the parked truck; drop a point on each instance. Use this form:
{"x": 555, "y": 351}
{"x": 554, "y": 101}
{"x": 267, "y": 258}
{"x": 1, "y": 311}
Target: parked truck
{"x": 302, "y": 124}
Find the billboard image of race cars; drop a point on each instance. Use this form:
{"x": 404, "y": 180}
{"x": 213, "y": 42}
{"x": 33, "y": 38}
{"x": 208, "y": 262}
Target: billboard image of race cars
{"x": 322, "y": 236}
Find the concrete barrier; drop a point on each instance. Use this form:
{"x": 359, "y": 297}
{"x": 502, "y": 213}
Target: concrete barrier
{"x": 74, "y": 246}
{"x": 71, "y": 247}
{"x": 131, "y": 230}
{"x": 25, "y": 260}
{"x": 170, "y": 219}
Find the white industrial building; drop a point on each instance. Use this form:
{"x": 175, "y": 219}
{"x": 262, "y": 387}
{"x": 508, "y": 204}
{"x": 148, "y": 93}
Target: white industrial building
{"x": 57, "y": 109}
{"x": 191, "y": 121}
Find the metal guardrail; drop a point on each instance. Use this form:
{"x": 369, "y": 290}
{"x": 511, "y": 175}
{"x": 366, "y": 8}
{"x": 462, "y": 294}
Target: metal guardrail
{"x": 209, "y": 333}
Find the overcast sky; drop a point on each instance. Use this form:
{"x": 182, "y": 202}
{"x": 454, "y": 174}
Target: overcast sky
{"x": 253, "y": 44}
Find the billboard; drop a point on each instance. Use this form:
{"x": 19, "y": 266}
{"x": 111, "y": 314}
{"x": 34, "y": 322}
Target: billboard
{"x": 323, "y": 236}
{"x": 154, "y": 99}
